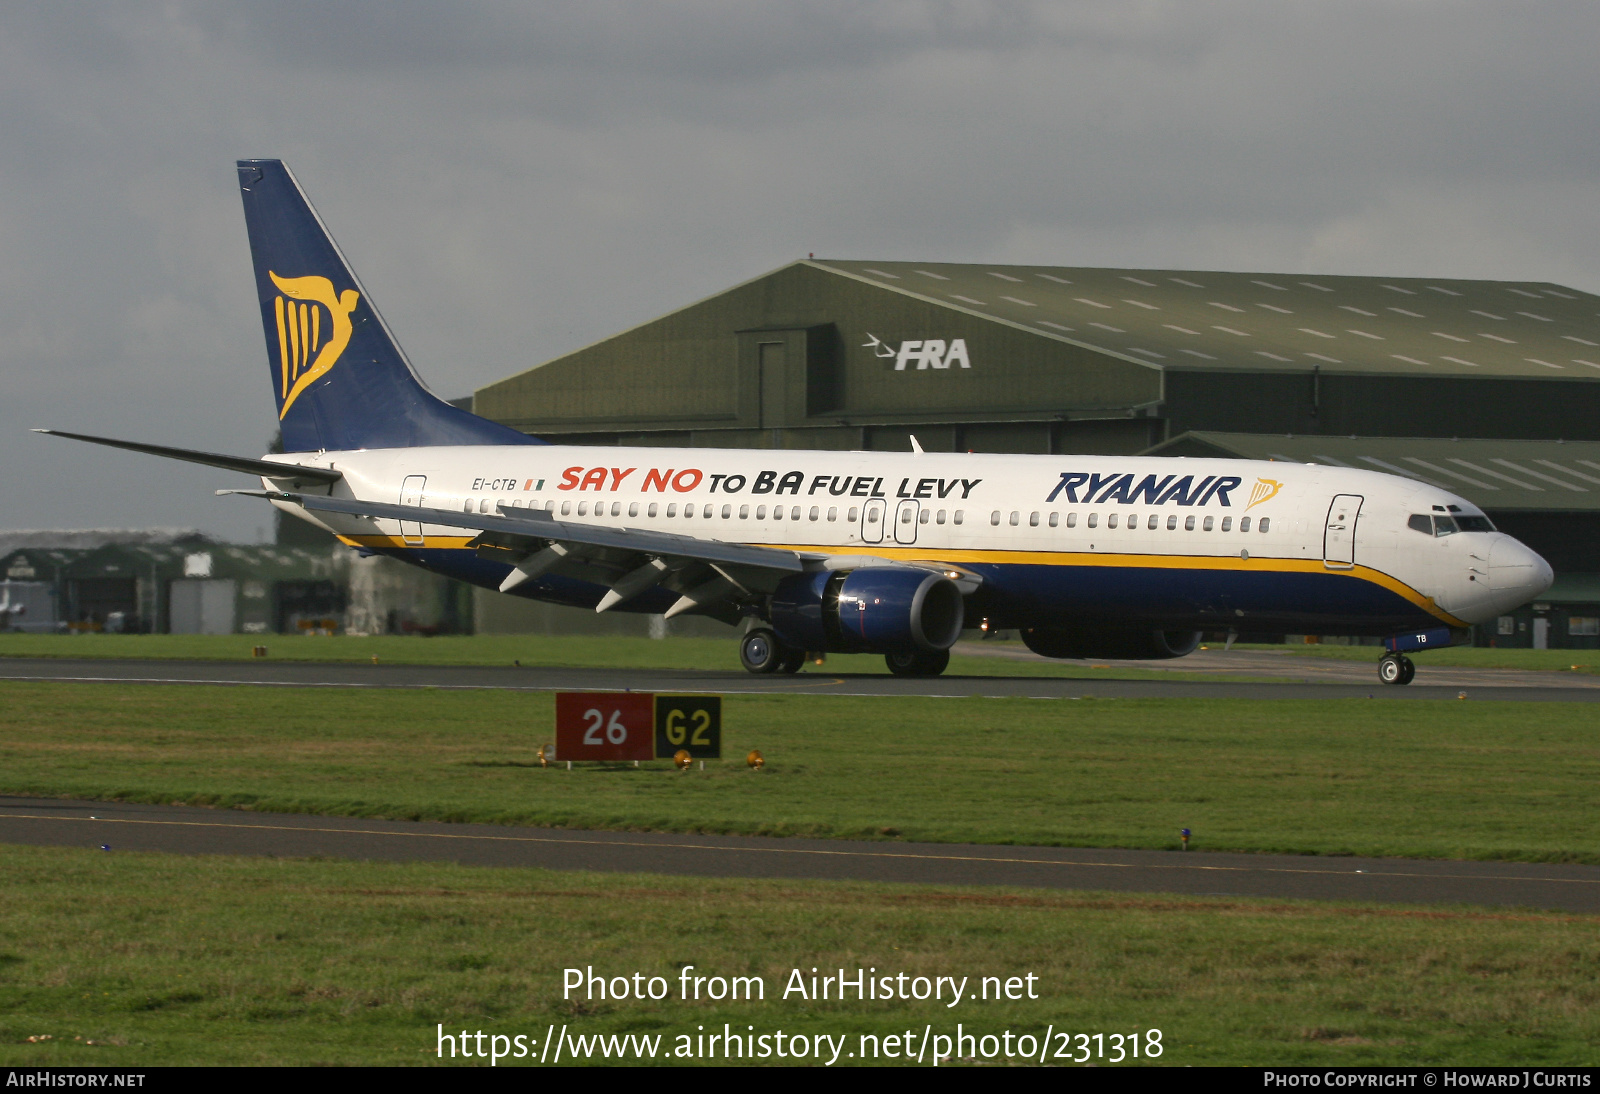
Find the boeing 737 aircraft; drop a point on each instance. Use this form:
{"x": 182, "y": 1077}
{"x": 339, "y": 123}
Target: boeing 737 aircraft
{"x": 875, "y": 552}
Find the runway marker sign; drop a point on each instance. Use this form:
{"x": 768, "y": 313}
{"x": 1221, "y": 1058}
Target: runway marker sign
{"x": 631, "y": 725}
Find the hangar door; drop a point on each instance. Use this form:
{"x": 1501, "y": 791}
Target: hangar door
{"x": 202, "y": 606}
{"x": 1339, "y": 536}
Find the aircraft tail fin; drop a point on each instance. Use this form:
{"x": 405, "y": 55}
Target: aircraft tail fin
{"x": 340, "y": 379}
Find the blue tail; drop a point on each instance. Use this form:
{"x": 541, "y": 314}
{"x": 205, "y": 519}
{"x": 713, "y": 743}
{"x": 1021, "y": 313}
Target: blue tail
{"x": 340, "y": 379}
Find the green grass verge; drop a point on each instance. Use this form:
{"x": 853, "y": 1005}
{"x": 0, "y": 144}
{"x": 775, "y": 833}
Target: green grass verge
{"x": 1466, "y": 657}
{"x": 565, "y": 651}
{"x": 129, "y": 960}
{"x": 1429, "y": 779}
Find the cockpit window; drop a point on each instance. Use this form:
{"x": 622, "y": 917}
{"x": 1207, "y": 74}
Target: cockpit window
{"x": 1437, "y": 525}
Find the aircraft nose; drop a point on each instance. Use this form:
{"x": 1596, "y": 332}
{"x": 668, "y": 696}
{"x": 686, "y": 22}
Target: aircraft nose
{"x": 1516, "y": 568}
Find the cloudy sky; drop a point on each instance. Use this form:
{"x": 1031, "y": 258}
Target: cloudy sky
{"x": 512, "y": 181}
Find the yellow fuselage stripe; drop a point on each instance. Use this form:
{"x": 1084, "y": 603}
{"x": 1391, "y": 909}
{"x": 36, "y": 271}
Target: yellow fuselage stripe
{"x": 957, "y": 557}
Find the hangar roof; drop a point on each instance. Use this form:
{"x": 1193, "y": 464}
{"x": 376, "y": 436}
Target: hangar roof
{"x": 1495, "y": 475}
{"x": 1177, "y": 319}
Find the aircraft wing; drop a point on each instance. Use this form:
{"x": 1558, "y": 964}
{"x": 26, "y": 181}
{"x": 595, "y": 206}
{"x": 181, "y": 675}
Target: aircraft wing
{"x": 707, "y": 574}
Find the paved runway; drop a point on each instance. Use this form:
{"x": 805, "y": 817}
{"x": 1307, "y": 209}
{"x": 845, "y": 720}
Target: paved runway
{"x": 186, "y": 830}
{"x": 1496, "y": 684}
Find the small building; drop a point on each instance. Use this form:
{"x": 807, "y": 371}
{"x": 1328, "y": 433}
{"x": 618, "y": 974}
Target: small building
{"x": 30, "y": 587}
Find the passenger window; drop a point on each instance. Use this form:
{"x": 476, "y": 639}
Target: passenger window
{"x": 744, "y": 512}
{"x": 1016, "y": 518}
{"x": 926, "y": 515}
{"x": 1111, "y": 521}
{"x": 794, "y": 514}
{"x": 1209, "y": 523}
{"x": 1033, "y": 520}
{"x": 1227, "y": 524}
{"x": 467, "y": 508}
{"x": 550, "y": 506}
{"x": 940, "y": 518}
{"x": 633, "y": 508}
{"x": 566, "y": 507}
{"x": 1244, "y": 524}
{"x": 688, "y": 510}
{"x": 483, "y": 506}
{"x": 1094, "y": 519}
{"x": 994, "y": 517}
{"x": 583, "y": 508}
{"x": 833, "y": 513}
{"x": 1154, "y": 522}
{"x": 1188, "y": 524}
{"x": 761, "y": 512}
{"x": 727, "y": 511}
{"x": 777, "y": 512}
{"x": 1264, "y": 524}
{"x": 1072, "y": 520}
{"x": 708, "y": 512}
{"x": 1421, "y": 522}
{"x": 1172, "y": 524}
{"x": 1055, "y": 519}
{"x": 815, "y": 513}
{"x": 960, "y": 513}
{"x": 851, "y": 515}
{"x": 651, "y": 512}
{"x": 672, "y": 509}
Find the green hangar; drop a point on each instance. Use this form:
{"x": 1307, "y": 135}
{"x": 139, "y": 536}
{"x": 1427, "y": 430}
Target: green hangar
{"x": 988, "y": 358}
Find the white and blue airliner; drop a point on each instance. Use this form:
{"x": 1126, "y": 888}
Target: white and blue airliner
{"x": 876, "y": 552}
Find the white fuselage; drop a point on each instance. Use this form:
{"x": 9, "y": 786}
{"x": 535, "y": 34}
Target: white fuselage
{"x": 1201, "y": 541}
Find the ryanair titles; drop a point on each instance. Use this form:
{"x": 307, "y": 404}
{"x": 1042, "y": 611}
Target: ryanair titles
{"x": 1081, "y": 487}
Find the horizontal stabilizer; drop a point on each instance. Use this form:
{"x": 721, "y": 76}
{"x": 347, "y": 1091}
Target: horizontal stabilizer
{"x": 264, "y": 468}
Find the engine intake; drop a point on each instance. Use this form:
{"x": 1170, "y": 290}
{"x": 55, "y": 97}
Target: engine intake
{"x": 878, "y": 609}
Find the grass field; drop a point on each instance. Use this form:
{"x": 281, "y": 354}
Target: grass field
{"x": 1430, "y": 779}
{"x": 126, "y": 960}
{"x": 715, "y": 654}
{"x": 1469, "y": 657}
{"x": 567, "y": 651}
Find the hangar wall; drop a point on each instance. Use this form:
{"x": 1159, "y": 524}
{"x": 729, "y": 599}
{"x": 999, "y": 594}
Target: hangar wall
{"x": 834, "y": 355}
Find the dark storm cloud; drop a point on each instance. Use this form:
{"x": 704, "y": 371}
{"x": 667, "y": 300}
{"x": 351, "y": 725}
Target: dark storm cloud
{"x": 515, "y": 180}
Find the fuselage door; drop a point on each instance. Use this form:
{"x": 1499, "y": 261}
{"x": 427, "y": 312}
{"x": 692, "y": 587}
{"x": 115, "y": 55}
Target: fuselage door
{"x": 1339, "y": 537}
{"x": 872, "y": 521}
{"x": 905, "y": 522}
{"x": 411, "y": 494}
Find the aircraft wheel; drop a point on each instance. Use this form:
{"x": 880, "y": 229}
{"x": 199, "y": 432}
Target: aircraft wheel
{"x": 918, "y": 662}
{"x": 760, "y": 652}
{"x": 1395, "y": 669}
{"x": 792, "y": 660}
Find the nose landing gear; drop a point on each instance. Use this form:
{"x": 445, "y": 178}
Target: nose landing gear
{"x": 1396, "y": 668}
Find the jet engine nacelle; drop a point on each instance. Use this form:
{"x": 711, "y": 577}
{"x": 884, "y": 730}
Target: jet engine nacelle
{"x": 1138, "y": 644}
{"x": 878, "y": 609}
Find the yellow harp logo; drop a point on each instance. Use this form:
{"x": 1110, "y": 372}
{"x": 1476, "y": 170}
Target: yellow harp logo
{"x": 305, "y": 350}
{"x": 1263, "y": 490}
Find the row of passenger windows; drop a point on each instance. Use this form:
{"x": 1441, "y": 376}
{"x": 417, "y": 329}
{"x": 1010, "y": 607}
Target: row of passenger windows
{"x": 707, "y": 512}
{"x": 815, "y": 512}
{"x": 1190, "y": 523}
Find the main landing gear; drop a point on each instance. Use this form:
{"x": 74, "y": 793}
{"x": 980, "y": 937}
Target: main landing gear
{"x": 918, "y": 662}
{"x": 761, "y": 652}
{"x": 1396, "y": 668}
